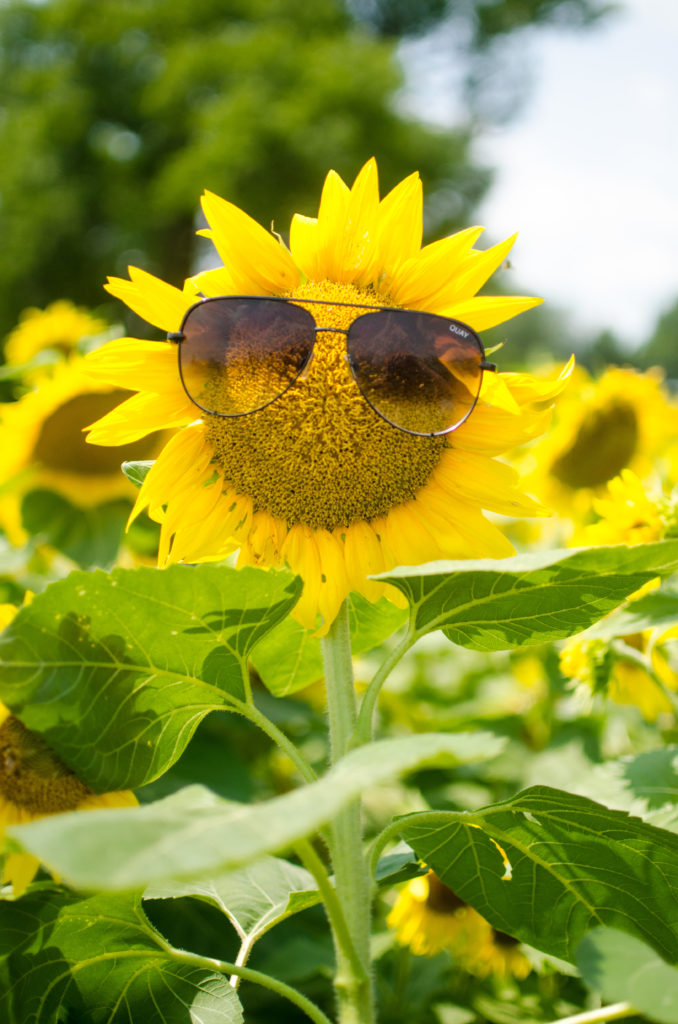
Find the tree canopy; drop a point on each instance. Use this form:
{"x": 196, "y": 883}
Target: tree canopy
{"x": 116, "y": 115}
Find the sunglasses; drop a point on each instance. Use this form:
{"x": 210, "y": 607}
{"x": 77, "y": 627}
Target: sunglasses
{"x": 420, "y": 372}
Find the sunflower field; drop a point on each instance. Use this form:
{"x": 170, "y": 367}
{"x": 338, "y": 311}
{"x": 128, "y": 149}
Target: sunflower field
{"x": 339, "y": 668}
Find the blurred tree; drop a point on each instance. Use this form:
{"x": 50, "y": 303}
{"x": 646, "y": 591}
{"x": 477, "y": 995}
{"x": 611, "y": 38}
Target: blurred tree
{"x": 117, "y": 114}
{"x": 662, "y": 348}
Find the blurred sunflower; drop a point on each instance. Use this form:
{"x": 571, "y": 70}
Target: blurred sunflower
{"x": 56, "y": 329}
{"x": 429, "y": 918}
{"x": 623, "y": 420}
{"x": 42, "y": 445}
{"x": 640, "y": 673}
{"x": 317, "y": 479}
{"x": 630, "y": 513}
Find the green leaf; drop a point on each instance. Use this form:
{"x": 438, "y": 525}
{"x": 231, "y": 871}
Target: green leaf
{"x": 621, "y": 967}
{"x": 100, "y": 960}
{"x": 574, "y": 864}
{"x": 254, "y": 899}
{"x": 136, "y": 472}
{"x": 492, "y": 605}
{"x": 88, "y": 536}
{"x": 195, "y": 834}
{"x": 290, "y": 657}
{"x": 116, "y": 671}
{"x": 656, "y": 610}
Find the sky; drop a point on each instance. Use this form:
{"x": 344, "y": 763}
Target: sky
{"x": 588, "y": 171}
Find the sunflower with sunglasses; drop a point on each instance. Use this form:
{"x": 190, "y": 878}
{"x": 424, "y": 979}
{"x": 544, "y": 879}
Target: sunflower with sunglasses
{"x": 334, "y": 408}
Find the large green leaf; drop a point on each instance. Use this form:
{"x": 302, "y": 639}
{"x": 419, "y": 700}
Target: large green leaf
{"x": 254, "y": 899}
{"x": 621, "y": 967}
{"x": 100, "y": 960}
{"x": 492, "y": 605}
{"x": 290, "y": 657}
{"x": 117, "y": 670}
{"x": 574, "y": 865}
{"x": 194, "y": 834}
{"x": 658, "y": 609}
{"x": 89, "y": 536}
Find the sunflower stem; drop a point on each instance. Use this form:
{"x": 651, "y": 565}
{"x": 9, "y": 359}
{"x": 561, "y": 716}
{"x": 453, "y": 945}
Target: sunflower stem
{"x": 353, "y": 981}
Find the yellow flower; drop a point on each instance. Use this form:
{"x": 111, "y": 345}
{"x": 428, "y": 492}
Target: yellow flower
{"x": 429, "y": 917}
{"x": 317, "y": 479}
{"x": 600, "y": 668}
{"x": 624, "y": 420}
{"x": 57, "y": 328}
{"x": 629, "y": 514}
{"x": 34, "y": 782}
{"x": 42, "y": 445}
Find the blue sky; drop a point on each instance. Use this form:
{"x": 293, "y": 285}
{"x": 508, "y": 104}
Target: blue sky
{"x": 588, "y": 172}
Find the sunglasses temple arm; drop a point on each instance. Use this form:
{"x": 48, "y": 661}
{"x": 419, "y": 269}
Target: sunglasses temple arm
{"x": 176, "y": 337}
{"x": 488, "y": 366}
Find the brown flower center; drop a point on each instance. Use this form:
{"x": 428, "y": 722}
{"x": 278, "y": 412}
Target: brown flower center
{"x": 320, "y": 455}
{"x": 32, "y": 777}
{"x": 441, "y": 899}
{"x": 604, "y": 445}
{"x": 61, "y": 443}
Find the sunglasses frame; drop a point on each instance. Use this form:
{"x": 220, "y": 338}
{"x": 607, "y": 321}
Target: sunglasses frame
{"x": 177, "y": 337}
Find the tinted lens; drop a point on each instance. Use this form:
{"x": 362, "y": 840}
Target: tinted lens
{"x": 419, "y": 371}
{"x": 237, "y": 355}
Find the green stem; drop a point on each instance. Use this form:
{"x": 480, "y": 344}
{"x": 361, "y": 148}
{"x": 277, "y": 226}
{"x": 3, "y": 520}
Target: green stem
{"x": 333, "y": 907}
{"x": 363, "y": 730}
{"x": 604, "y": 1013}
{"x": 312, "y": 1011}
{"x": 254, "y": 715}
{"x": 394, "y": 829}
{"x": 353, "y": 987}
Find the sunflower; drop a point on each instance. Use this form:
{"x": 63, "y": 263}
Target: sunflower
{"x": 317, "y": 479}
{"x": 42, "y": 445}
{"x": 57, "y": 328}
{"x": 624, "y": 420}
{"x": 34, "y": 782}
{"x": 429, "y": 918}
{"x": 642, "y": 683}
{"x": 630, "y": 513}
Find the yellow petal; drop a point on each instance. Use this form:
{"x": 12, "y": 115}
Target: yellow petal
{"x": 333, "y": 579}
{"x": 483, "y": 481}
{"x": 494, "y": 431}
{"x": 159, "y": 303}
{"x": 212, "y": 283}
{"x": 140, "y": 415}
{"x": 473, "y": 273}
{"x": 420, "y": 278}
{"x": 528, "y": 389}
{"x": 347, "y": 229}
{"x": 304, "y": 245}
{"x": 19, "y": 869}
{"x": 364, "y": 556}
{"x": 134, "y": 364}
{"x": 301, "y": 554}
{"x": 253, "y": 257}
{"x": 486, "y": 311}
{"x": 185, "y": 457}
{"x": 400, "y": 226}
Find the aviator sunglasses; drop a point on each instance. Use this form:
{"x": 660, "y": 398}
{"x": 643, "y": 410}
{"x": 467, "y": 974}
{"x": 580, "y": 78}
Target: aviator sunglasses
{"x": 419, "y": 371}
